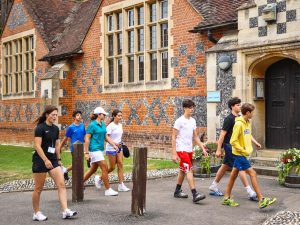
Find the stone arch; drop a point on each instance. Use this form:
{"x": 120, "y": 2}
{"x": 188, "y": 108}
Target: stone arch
{"x": 259, "y": 66}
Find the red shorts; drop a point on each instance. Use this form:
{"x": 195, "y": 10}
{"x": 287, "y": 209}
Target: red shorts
{"x": 185, "y": 164}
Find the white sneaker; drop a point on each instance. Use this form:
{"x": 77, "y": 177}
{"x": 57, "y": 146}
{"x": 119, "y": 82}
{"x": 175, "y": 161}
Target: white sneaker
{"x": 123, "y": 188}
{"x": 98, "y": 182}
{"x": 68, "y": 214}
{"x": 110, "y": 192}
{"x": 39, "y": 216}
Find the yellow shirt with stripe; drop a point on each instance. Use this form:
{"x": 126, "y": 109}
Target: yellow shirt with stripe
{"x": 241, "y": 138}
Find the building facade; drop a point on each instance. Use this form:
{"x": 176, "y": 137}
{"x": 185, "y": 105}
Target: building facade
{"x": 144, "y": 57}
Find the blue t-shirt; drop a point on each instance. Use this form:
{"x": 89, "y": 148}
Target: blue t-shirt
{"x": 98, "y": 132}
{"x": 75, "y": 133}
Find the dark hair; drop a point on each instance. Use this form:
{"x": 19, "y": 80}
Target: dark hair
{"x": 48, "y": 109}
{"x": 188, "y": 103}
{"x": 233, "y": 101}
{"x": 247, "y": 107}
{"x": 114, "y": 114}
{"x": 76, "y": 112}
{"x": 93, "y": 116}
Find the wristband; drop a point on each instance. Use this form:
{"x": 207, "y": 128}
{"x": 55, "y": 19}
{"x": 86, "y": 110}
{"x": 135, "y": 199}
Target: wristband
{"x": 59, "y": 159}
{"x": 86, "y": 153}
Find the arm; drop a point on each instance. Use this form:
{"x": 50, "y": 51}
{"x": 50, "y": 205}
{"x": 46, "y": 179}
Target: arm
{"x": 63, "y": 143}
{"x": 234, "y": 141}
{"x": 57, "y": 151}
{"x": 255, "y": 142}
{"x": 220, "y": 142}
{"x": 110, "y": 141}
{"x": 199, "y": 143}
{"x": 40, "y": 152}
{"x": 86, "y": 145}
{"x": 175, "y": 157}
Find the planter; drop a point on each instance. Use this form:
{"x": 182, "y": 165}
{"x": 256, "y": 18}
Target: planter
{"x": 202, "y": 173}
{"x": 293, "y": 179}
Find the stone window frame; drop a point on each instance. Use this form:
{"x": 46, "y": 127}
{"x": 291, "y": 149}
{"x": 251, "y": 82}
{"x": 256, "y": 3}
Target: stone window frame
{"x": 125, "y": 55}
{"x": 18, "y": 80}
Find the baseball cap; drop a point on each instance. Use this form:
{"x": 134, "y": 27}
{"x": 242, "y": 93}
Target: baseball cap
{"x": 100, "y": 110}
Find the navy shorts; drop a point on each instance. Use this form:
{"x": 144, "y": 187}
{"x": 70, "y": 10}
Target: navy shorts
{"x": 38, "y": 165}
{"x": 241, "y": 162}
{"x": 228, "y": 158}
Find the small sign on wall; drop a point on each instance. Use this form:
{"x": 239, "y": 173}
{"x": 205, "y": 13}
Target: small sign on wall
{"x": 214, "y": 96}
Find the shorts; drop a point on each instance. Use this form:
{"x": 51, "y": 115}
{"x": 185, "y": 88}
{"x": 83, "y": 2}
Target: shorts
{"x": 113, "y": 152}
{"x": 241, "y": 162}
{"x": 38, "y": 165}
{"x": 228, "y": 158}
{"x": 185, "y": 164}
{"x": 96, "y": 156}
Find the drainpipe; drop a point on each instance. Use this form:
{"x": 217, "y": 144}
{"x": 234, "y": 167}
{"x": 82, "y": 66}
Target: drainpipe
{"x": 211, "y": 38}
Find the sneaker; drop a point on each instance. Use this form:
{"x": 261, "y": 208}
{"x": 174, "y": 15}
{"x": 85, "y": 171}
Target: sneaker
{"x": 39, "y": 216}
{"x": 180, "y": 194}
{"x": 197, "y": 197}
{"x": 66, "y": 176}
{"x": 98, "y": 182}
{"x": 216, "y": 193}
{"x": 266, "y": 202}
{"x": 253, "y": 198}
{"x": 110, "y": 192}
{"x": 229, "y": 202}
{"x": 123, "y": 188}
{"x": 68, "y": 214}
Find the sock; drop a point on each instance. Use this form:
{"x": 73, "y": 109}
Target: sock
{"x": 250, "y": 192}
{"x": 178, "y": 188}
{"x": 214, "y": 186}
{"x": 194, "y": 191}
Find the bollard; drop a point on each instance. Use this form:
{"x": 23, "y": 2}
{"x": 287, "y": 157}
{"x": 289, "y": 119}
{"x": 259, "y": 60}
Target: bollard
{"x": 77, "y": 172}
{"x": 139, "y": 178}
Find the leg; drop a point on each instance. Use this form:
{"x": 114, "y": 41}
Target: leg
{"x": 221, "y": 172}
{"x": 254, "y": 182}
{"x": 233, "y": 175}
{"x": 180, "y": 177}
{"x": 39, "y": 180}
{"x": 103, "y": 165}
{"x": 119, "y": 158}
{"x": 251, "y": 193}
{"x": 92, "y": 170}
{"x": 190, "y": 179}
{"x": 112, "y": 162}
{"x": 69, "y": 168}
{"x": 58, "y": 178}
{"x": 242, "y": 175}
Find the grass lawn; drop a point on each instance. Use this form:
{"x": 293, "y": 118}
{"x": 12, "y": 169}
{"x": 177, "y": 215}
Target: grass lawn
{"x": 15, "y": 163}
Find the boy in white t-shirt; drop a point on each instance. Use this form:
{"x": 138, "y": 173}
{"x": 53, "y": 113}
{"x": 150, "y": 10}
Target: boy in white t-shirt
{"x": 184, "y": 132}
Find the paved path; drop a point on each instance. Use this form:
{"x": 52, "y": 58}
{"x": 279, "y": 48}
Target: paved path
{"x": 162, "y": 208}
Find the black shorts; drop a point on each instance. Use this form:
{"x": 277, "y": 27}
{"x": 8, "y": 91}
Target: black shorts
{"x": 228, "y": 158}
{"x": 38, "y": 165}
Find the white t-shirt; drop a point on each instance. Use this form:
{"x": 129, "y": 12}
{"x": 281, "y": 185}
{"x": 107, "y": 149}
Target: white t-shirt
{"x": 115, "y": 132}
{"x": 184, "y": 139}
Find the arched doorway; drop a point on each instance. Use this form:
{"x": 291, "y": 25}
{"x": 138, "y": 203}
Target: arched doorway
{"x": 283, "y": 105}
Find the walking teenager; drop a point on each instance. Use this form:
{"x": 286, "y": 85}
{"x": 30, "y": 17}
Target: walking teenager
{"x": 75, "y": 132}
{"x": 241, "y": 141}
{"x": 115, "y": 132}
{"x": 184, "y": 132}
{"x": 94, "y": 143}
{"x": 46, "y": 159}
{"x": 235, "y": 106}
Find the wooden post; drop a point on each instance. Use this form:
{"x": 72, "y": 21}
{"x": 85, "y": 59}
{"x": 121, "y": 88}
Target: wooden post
{"x": 139, "y": 178}
{"x": 77, "y": 172}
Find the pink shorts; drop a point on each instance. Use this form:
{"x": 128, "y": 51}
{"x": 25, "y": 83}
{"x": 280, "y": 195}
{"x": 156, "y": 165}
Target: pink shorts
{"x": 185, "y": 164}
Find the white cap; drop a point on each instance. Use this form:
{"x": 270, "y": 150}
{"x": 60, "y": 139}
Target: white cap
{"x": 100, "y": 110}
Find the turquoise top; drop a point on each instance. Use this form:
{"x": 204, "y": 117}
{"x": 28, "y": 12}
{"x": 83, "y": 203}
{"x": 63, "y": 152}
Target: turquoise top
{"x": 97, "y": 132}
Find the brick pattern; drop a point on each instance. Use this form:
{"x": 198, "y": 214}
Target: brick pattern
{"x": 17, "y": 116}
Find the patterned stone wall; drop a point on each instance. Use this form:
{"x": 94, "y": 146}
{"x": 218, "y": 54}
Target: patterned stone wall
{"x": 225, "y": 83}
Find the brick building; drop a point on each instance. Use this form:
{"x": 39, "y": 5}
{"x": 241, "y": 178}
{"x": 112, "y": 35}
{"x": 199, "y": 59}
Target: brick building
{"x": 143, "y": 57}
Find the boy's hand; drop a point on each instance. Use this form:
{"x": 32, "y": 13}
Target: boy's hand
{"x": 175, "y": 158}
{"x": 204, "y": 150}
{"x": 258, "y": 145}
{"x": 219, "y": 153}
